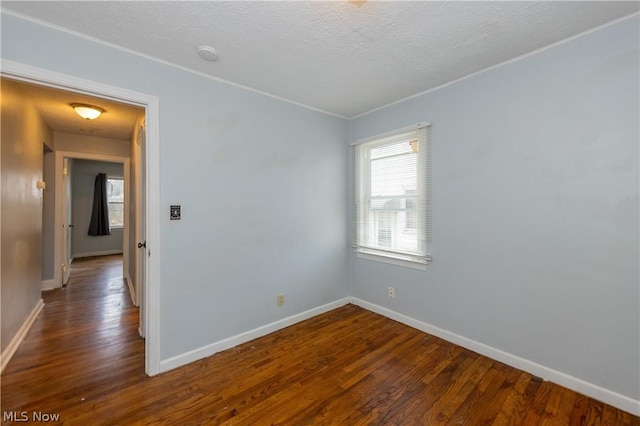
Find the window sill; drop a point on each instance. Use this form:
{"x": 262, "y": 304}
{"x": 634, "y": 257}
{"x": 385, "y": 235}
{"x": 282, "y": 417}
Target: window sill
{"x": 397, "y": 261}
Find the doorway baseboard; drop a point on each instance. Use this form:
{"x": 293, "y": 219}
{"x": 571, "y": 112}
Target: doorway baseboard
{"x": 132, "y": 290}
{"x": 14, "y": 344}
{"x": 49, "y": 285}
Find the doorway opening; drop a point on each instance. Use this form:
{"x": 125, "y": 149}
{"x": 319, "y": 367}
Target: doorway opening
{"x": 76, "y": 201}
{"x": 148, "y": 196}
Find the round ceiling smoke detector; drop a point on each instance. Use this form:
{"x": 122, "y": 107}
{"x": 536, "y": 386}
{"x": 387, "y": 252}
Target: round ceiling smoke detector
{"x": 207, "y": 53}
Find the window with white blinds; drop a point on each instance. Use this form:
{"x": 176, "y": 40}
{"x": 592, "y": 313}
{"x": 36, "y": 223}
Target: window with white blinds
{"x": 392, "y": 195}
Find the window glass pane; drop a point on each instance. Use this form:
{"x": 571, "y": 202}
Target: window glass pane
{"x": 116, "y": 214}
{"x": 403, "y": 147}
{"x": 393, "y": 184}
{"x": 115, "y": 190}
{"x": 411, "y": 215}
{"x": 388, "y": 229}
{"x": 394, "y": 175}
{"x": 115, "y": 200}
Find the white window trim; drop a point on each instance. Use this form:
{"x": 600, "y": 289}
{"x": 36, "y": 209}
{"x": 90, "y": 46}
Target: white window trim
{"x": 394, "y": 261}
{"x": 391, "y": 133}
{"x": 395, "y": 258}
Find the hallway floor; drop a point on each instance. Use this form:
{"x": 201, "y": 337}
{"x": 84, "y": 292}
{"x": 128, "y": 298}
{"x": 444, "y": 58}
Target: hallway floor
{"x": 85, "y": 338}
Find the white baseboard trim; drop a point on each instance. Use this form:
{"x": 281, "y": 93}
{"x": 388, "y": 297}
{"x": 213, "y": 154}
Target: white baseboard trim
{"x": 132, "y": 290}
{"x": 221, "y": 345}
{"x": 96, "y": 253}
{"x": 13, "y": 346}
{"x": 594, "y": 391}
{"x": 49, "y": 285}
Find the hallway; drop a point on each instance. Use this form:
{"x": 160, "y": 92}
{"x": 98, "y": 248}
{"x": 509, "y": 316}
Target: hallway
{"x": 85, "y": 338}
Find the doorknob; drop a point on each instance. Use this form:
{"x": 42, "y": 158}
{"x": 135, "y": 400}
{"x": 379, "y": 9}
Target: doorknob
{"x": 142, "y": 244}
{"x": 71, "y": 225}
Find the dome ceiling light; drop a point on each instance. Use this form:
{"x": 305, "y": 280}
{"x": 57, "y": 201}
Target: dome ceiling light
{"x": 88, "y": 112}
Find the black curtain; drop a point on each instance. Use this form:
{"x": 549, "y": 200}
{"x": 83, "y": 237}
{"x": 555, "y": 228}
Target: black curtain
{"x": 100, "y": 215}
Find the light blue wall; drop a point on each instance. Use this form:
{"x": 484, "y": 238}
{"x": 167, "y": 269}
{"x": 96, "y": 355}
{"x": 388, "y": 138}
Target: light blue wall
{"x": 261, "y": 183}
{"x": 535, "y": 209}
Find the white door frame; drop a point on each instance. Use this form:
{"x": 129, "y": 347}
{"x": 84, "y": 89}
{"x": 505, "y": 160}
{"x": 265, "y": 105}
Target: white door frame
{"x": 59, "y": 233}
{"x": 30, "y": 74}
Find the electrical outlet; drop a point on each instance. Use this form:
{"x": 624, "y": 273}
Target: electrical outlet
{"x": 280, "y": 300}
{"x": 392, "y": 293}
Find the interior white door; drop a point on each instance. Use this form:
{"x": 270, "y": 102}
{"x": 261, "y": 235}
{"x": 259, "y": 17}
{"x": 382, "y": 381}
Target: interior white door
{"x": 67, "y": 223}
{"x": 141, "y": 211}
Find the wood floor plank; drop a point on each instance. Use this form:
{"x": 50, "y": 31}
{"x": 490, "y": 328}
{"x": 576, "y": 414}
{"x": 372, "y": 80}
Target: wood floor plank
{"x": 395, "y": 382}
{"x": 481, "y": 397}
{"x": 559, "y": 407}
{"x": 83, "y": 359}
{"x": 410, "y": 411}
{"x": 457, "y": 392}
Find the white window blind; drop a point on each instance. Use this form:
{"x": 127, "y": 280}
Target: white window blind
{"x": 392, "y": 195}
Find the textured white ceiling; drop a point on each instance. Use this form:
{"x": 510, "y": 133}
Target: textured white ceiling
{"x": 118, "y": 121}
{"x": 343, "y": 57}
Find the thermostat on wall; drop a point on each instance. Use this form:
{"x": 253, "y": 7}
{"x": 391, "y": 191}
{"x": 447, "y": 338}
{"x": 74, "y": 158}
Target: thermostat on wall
{"x": 175, "y": 213}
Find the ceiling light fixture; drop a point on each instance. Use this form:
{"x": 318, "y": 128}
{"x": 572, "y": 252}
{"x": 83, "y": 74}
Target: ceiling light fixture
{"x": 207, "y": 53}
{"x": 88, "y": 112}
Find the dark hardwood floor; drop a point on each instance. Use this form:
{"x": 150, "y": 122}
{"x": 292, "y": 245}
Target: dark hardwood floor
{"x": 84, "y": 361}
